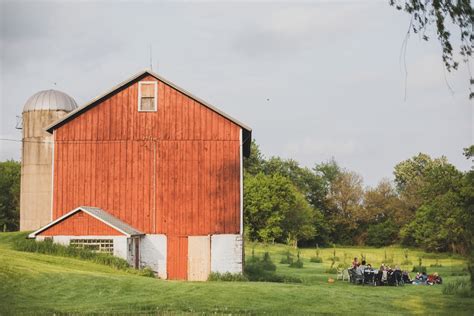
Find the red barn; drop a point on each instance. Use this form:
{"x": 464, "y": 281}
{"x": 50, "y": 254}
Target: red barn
{"x": 153, "y": 174}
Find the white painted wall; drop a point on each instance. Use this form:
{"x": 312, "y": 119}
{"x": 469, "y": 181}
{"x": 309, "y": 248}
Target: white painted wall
{"x": 153, "y": 253}
{"x": 226, "y": 253}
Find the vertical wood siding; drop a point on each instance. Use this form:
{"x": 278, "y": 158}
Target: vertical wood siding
{"x": 81, "y": 224}
{"x": 174, "y": 171}
{"x": 177, "y": 264}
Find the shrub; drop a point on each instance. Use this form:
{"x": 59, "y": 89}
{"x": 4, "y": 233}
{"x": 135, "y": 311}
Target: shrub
{"x": 460, "y": 287}
{"x": 288, "y": 258}
{"x": 147, "y": 272}
{"x": 50, "y": 248}
{"x": 297, "y": 264}
{"x": 228, "y": 277}
{"x": 331, "y": 270}
{"x": 263, "y": 270}
{"x": 316, "y": 259}
{"x": 267, "y": 263}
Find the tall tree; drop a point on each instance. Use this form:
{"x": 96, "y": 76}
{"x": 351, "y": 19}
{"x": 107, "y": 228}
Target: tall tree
{"x": 9, "y": 195}
{"x": 310, "y": 184}
{"x": 328, "y": 172}
{"x": 267, "y": 199}
{"x": 382, "y": 203}
{"x": 412, "y": 182}
{"x": 254, "y": 163}
{"x": 276, "y": 211}
{"x": 438, "y": 221}
{"x": 345, "y": 207}
{"x": 298, "y": 222}
{"x": 467, "y": 194}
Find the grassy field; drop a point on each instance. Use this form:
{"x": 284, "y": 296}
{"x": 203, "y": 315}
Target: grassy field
{"x": 33, "y": 283}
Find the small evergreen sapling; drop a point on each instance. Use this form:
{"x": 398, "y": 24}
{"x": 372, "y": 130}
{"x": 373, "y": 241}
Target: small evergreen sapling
{"x": 420, "y": 268}
{"x": 406, "y": 261}
{"x": 336, "y": 258}
{"x": 317, "y": 258}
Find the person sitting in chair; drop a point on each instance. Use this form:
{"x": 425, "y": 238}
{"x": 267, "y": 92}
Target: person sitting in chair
{"x": 355, "y": 263}
{"x": 406, "y": 277}
{"x": 384, "y": 278}
{"x": 434, "y": 279}
{"x": 397, "y": 273}
{"x": 360, "y": 269}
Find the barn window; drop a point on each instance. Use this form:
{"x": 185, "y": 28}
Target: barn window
{"x": 147, "y": 96}
{"x": 95, "y": 245}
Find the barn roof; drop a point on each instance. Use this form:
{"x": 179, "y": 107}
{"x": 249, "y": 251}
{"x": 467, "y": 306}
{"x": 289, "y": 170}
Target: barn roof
{"x": 99, "y": 214}
{"x": 247, "y": 131}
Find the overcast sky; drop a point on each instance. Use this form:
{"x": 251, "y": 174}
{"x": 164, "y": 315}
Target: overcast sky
{"x": 314, "y": 80}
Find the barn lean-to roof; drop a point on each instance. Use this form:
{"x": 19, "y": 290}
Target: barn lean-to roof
{"x": 97, "y": 213}
{"x": 246, "y": 131}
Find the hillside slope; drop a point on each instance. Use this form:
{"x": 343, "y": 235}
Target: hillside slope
{"x": 37, "y": 283}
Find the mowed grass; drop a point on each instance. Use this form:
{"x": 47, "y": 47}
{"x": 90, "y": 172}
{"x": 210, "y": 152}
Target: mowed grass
{"x": 33, "y": 283}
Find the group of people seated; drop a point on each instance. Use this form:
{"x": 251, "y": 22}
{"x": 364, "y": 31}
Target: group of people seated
{"x": 364, "y": 273}
{"x": 424, "y": 279}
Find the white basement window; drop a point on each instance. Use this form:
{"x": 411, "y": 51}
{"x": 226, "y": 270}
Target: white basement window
{"x": 147, "y": 96}
{"x": 95, "y": 245}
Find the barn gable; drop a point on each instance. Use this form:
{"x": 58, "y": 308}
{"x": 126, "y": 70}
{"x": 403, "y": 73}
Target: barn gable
{"x": 146, "y": 74}
{"x": 86, "y": 221}
{"x": 177, "y": 170}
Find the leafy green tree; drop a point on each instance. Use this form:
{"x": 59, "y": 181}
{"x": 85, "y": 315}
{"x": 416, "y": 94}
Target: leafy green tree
{"x": 328, "y": 171}
{"x": 435, "y": 185}
{"x": 383, "y": 209}
{"x": 382, "y": 234}
{"x": 254, "y": 163}
{"x": 276, "y": 210}
{"x": 298, "y": 222}
{"x": 469, "y": 153}
{"x": 437, "y": 226}
{"x": 308, "y": 182}
{"x": 267, "y": 199}
{"x": 413, "y": 184}
{"x": 467, "y": 220}
{"x": 383, "y": 202}
{"x": 345, "y": 207}
{"x": 9, "y": 195}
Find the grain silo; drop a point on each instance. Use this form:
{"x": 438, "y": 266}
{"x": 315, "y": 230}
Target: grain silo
{"x": 41, "y": 109}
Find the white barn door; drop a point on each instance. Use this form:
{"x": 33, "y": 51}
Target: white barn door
{"x": 199, "y": 258}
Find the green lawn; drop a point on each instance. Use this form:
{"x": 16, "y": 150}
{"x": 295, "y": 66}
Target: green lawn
{"x": 36, "y": 283}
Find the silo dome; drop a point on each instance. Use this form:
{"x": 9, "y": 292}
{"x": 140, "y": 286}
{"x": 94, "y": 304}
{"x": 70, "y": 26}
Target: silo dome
{"x": 53, "y": 100}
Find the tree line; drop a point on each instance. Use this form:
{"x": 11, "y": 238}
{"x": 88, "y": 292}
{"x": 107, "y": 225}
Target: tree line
{"x": 430, "y": 204}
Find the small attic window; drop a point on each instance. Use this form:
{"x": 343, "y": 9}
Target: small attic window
{"x": 147, "y": 96}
